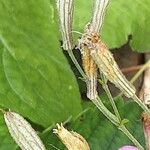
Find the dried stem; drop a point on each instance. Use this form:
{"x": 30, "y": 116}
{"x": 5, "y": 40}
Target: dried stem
{"x": 131, "y": 69}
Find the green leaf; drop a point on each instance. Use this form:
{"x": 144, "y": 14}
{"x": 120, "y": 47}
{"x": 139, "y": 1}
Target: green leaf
{"x": 35, "y": 78}
{"x": 123, "y": 18}
{"x": 97, "y": 129}
{"x": 102, "y": 135}
{"x": 6, "y": 142}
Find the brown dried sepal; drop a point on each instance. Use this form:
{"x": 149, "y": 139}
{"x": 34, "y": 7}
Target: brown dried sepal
{"x": 106, "y": 63}
{"x": 90, "y": 70}
{"x": 72, "y": 140}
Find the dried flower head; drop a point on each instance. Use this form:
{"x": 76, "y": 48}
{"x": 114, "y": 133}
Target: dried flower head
{"x": 72, "y": 140}
{"x": 22, "y": 132}
{"x": 88, "y": 63}
{"x": 106, "y": 63}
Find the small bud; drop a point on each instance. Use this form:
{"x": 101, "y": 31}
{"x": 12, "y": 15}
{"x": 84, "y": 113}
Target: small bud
{"x": 72, "y": 140}
{"x": 128, "y": 148}
{"x": 146, "y": 125}
{"x": 22, "y": 132}
{"x": 65, "y": 11}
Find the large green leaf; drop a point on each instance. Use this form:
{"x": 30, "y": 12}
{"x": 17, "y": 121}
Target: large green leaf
{"x": 123, "y": 18}
{"x": 35, "y": 78}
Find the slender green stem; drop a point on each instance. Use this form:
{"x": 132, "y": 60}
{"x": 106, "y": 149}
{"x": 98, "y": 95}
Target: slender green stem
{"x": 116, "y": 122}
{"x": 130, "y": 136}
{"x": 105, "y": 87}
{"x": 105, "y": 111}
{"x": 141, "y": 104}
{"x": 76, "y": 63}
{"x": 136, "y": 76}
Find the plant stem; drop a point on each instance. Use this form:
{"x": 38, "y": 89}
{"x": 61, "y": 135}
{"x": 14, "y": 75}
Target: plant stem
{"x": 76, "y": 63}
{"x": 136, "y": 76}
{"x": 105, "y": 87}
{"x": 116, "y": 122}
{"x": 141, "y": 104}
{"x": 105, "y": 111}
{"x": 130, "y": 136}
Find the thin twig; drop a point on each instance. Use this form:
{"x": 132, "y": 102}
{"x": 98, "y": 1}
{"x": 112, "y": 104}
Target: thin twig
{"x": 131, "y": 69}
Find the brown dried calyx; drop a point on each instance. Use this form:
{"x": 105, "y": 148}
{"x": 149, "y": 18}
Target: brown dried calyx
{"x": 72, "y": 140}
{"x": 106, "y": 62}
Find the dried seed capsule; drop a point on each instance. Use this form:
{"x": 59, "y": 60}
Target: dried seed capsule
{"x": 99, "y": 10}
{"x": 106, "y": 63}
{"x": 22, "y": 132}
{"x": 90, "y": 69}
{"x": 65, "y": 11}
{"x": 72, "y": 140}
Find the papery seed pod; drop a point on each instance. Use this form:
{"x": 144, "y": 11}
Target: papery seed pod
{"x": 72, "y": 140}
{"x": 106, "y": 63}
{"x": 99, "y": 10}
{"x": 65, "y": 11}
{"x": 146, "y": 125}
{"x": 22, "y": 132}
{"x": 90, "y": 70}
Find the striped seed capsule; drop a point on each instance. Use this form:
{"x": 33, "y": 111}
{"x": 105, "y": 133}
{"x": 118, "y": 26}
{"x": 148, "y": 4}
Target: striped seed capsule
{"x": 22, "y": 132}
{"x": 65, "y": 11}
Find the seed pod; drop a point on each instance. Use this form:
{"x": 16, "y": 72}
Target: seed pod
{"x": 99, "y": 10}
{"x": 72, "y": 140}
{"x": 65, "y": 11}
{"x": 22, "y": 132}
{"x": 90, "y": 70}
{"x": 106, "y": 63}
